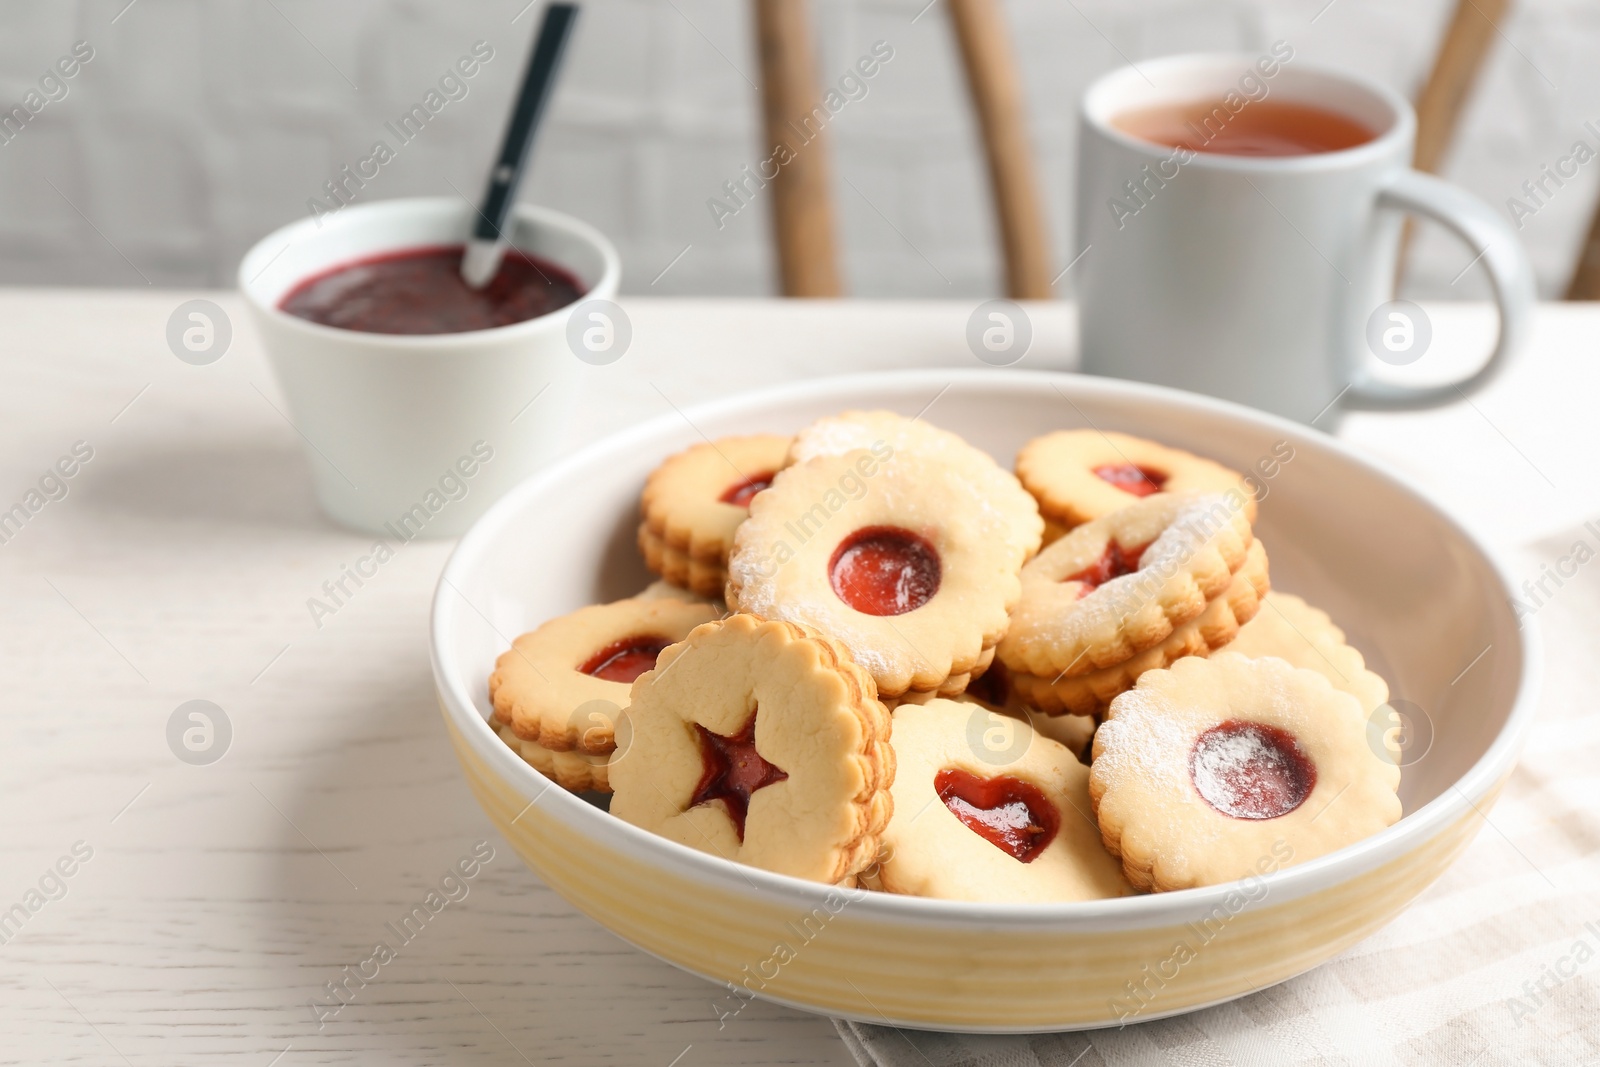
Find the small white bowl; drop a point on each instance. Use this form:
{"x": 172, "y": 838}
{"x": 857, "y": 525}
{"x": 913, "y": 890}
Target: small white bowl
{"x": 396, "y": 426}
{"x": 1416, "y": 592}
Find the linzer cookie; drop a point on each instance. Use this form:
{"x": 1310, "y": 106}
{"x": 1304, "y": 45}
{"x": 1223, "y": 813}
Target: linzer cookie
{"x": 900, "y": 560}
{"x": 1223, "y": 619}
{"x": 665, "y": 590}
{"x": 704, "y": 578}
{"x": 1291, "y": 629}
{"x": 952, "y": 686}
{"x": 1221, "y": 768}
{"x": 695, "y": 500}
{"x": 580, "y": 772}
{"x": 1081, "y": 475}
{"x": 885, "y": 433}
{"x": 985, "y": 809}
{"x": 561, "y": 686}
{"x": 762, "y": 743}
{"x": 1122, "y": 584}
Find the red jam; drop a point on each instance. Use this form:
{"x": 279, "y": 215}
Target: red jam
{"x": 739, "y": 493}
{"x": 1012, "y": 815}
{"x": 1114, "y": 562}
{"x": 1250, "y": 770}
{"x": 733, "y": 770}
{"x": 884, "y": 570}
{"x": 625, "y": 660}
{"x": 1139, "y": 481}
{"x": 419, "y": 290}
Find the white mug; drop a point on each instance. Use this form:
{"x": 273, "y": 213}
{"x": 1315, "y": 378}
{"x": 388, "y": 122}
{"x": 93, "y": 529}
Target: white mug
{"x": 1261, "y": 279}
{"x": 415, "y": 435}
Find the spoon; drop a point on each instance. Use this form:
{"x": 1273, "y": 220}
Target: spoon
{"x": 487, "y": 246}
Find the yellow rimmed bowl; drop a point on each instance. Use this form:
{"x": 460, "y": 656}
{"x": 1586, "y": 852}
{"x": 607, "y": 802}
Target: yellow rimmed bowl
{"x": 1414, "y": 590}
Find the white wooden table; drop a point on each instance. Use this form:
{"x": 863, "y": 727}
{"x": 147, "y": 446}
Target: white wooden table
{"x": 219, "y": 900}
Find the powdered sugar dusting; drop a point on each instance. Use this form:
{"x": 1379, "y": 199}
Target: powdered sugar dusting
{"x": 779, "y": 568}
{"x": 1107, "y": 605}
{"x": 832, "y": 436}
{"x": 1140, "y": 739}
{"x": 873, "y": 430}
{"x": 1250, "y": 771}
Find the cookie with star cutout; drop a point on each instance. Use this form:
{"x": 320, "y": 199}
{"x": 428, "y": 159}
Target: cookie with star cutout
{"x": 762, "y": 742}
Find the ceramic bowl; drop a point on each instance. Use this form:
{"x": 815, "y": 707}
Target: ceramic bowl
{"x": 413, "y": 435}
{"x": 1419, "y": 594}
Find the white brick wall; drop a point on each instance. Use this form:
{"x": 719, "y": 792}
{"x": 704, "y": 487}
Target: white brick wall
{"x": 199, "y": 126}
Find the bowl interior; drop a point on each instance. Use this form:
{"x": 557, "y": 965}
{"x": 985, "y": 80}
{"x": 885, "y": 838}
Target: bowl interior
{"x": 1411, "y": 590}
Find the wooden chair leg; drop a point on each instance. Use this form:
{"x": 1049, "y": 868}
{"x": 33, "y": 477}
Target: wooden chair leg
{"x": 1585, "y": 283}
{"x": 1456, "y": 68}
{"x": 802, "y": 204}
{"x": 997, "y": 98}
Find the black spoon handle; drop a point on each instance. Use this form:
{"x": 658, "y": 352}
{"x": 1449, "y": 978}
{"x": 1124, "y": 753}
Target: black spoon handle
{"x": 537, "y": 81}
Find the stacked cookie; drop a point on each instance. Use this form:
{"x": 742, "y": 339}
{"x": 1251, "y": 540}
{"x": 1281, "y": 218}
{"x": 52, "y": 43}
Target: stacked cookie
{"x": 761, "y": 742}
{"x": 558, "y": 691}
{"x": 1054, "y": 713}
{"x": 1168, "y": 576}
{"x": 899, "y": 539}
{"x": 1078, "y": 476}
{"x": 694, "y": 502}
{"x": 1228, "y": 768}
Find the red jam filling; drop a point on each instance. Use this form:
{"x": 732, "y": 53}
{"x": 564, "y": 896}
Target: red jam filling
{"x": 625, "y": 660}
{"x": 1138, "y": 481}
{"x": 884, "y": 570}
{"x": 739, "y": 493}
{"x": 1250, "y": 770}
{"x": 1114, "y": 562}
{"x": 1012, "y": 815}
{"x": 732, "y": 770}
{"x": 419, "y": 291}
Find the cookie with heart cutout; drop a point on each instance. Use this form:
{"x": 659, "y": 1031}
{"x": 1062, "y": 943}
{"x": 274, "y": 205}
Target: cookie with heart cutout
{"x": 985, "y": 809}
{"x": 761, "y": 742}
{"x": 1121, "y": 584}
{"x": 1221, "y": 768}
{"x": 1289, "y": 628}
{"x": 561, "y": 686}
{"x": 695, "y": 500}
{"x": 885, "y": 433}
{"x": 902, "y": 561}
{"x": 1081, "y": 475}
{"x": 1224, "y": 618}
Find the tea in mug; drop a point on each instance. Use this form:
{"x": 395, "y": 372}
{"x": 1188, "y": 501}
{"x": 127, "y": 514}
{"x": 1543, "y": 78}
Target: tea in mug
{"x": 1261, "y": 128}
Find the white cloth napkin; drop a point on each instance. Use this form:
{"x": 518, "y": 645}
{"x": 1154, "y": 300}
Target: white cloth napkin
{"x": 1496, "y": 963}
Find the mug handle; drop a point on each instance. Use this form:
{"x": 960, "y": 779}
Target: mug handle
{"x": 1510, "y": 273}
